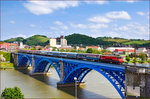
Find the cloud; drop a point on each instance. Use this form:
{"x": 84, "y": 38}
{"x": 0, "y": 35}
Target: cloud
{"x": 97, "y": 26}
{"x": 64, "y": 27}
{"x": 12, "y": 22}
{"x": 97, "y": 2}
{"x": 118, "y": 15}
{"x": 54, "y": 28}
{"x": 133, "y": 30}
{"x": 32, "y": 25}
{"x": 99, "y": 19}
{"x": 47, "y": 7}
{"x": 58, "y": 23}
{"x": 89, "y": 26}
{"x": 141, "y": 13}
{"x": 131, "y": 1}
{"x": 61, "y": 25}
{"x": 81, "y": 26}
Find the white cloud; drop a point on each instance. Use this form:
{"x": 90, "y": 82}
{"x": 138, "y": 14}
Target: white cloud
{"x": 81, "y": 26}
{"x": 89, "y": 26}
{"x": 54, "y": 28}
{"x": 58, "y": 23}
{"x": 118, "y": 15}
{"x": 32, "y": 25}
{"x": 12, "y": 22}
{"x": 97, "y": 2}
{"x": 131, "y": 1}
{"x": 47, "y": 7}
{"x": 97, "y": 26}
{"x": 141, "y": 13}
{"x": 99, "y": 19}
{"x": 61, "y": 25}
{"x": 64, "y": 27}
{"x": 133, "y": 30}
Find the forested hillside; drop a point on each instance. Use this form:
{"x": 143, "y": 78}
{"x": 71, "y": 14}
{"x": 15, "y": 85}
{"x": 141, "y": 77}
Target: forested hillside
{"x": 78, "y": 39}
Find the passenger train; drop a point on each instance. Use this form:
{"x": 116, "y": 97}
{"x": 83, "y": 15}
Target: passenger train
{"x": 79, "y": 56}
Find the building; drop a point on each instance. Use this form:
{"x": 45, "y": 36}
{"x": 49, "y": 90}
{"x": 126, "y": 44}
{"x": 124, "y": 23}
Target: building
{"x": 20, "y": 44}
{"x": 141, "y": 50}
{"x": 58, "y": 42}
{"x": 8, "y": 46}
{"x": 52, "y": 42}
{"x": 93, "y": 47}
{"x": 119, "y": 49}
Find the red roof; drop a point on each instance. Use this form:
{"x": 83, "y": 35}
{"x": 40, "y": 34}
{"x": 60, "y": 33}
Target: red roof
{"x": 92, "y": 46}
{"x": 120, "y": 50}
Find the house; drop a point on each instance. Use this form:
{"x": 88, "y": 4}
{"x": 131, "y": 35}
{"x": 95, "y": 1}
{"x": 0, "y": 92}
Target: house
{"x": 141, "y": 50}
{"x": 66, "y": 48}
{"x": 119, "y": 49}
{"x": 9, "y": 46}
{"x": 93, "y": 47}
{"x": 82, "y": 49}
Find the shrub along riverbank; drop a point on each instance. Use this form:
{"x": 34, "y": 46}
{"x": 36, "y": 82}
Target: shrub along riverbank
{"x": 6, "y": 60}
{"x": 5, "y": 65}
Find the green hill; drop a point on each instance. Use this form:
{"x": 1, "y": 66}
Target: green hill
{"x": 37, "y": 40}
{"x": 81, "y": 39}
{"x": 77, "y": 39}
{"x": 34, "y": 40}
{"x": 14, "y": 39}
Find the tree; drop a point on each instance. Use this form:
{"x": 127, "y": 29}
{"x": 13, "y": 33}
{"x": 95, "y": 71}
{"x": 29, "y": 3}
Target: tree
{"x": 127, "y": 58}
{"x": 54, "y": 49}
{"x": 39, "y": 48}
{"x": 33, "y": 48}
{"x": 148, "y": 60}
{"x": 89, "y": 50}
{"x": 143, "y": 57}
{"x": 12, "y": 93}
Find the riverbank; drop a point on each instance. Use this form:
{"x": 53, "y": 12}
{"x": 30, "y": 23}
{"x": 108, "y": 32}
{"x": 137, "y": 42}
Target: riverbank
{"x": 6, "y": 65}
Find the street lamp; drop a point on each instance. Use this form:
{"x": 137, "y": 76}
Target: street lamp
{"x": 75, "y": 78}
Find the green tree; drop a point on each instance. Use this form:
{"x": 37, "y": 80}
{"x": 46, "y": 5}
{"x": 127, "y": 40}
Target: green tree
{"x": 143, "y": 57}
{"x": 12, "y": 93}
{"x": 39, "y": 48}
{"x": 148, "y": 60}
{"x": 134, "y": 60}
{"x": 33, "y": 48}
{"x": 89, "y": 50}
{"x": 62, "y": 50}
{"x": 127, "y": 58}
{"x": 54, "y": 49}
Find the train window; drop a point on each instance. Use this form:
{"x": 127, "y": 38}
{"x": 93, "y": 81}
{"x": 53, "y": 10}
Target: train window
{"x": 119, "y": 57}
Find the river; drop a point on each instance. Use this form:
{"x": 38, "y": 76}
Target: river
{"x": 45, "y": 86}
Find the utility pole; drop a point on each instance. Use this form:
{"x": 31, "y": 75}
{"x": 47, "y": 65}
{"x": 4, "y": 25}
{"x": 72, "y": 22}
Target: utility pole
{"x": 135, "y": 55}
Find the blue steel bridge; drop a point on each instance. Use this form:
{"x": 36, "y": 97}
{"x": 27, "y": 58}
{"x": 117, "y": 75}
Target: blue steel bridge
{"x": 67, "y": 69}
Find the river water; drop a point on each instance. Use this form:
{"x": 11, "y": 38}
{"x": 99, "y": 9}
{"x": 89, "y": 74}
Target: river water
{"x": 45, "y": 86}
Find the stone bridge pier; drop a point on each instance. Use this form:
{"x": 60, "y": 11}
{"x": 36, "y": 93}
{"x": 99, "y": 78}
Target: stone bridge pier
{"x": 138, "y": 81}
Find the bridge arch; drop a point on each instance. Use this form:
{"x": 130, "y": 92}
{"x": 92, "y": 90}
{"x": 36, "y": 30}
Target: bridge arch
{"x": 81, "y": 71}
{"x": 23, "y": 60}
{"x": 44, "y": 62}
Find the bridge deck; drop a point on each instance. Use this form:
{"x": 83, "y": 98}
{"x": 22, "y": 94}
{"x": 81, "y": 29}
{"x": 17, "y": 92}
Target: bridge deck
{"x": 106, "y": 65}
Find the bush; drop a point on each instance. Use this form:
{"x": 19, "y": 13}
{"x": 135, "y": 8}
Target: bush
{"x": 6, "y": 55}
{"x": 143, "y": 57}
{"x": 12, "y": 93}
{"x": 89, "y": 50}
{"x": 148, "y": 60}
{"x": 127, "y": 58}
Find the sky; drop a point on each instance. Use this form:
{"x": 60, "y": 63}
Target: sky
{"x": 126, "y": 19}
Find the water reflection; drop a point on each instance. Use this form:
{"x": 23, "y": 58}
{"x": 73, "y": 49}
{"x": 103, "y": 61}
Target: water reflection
{"x": 45, "y": 86}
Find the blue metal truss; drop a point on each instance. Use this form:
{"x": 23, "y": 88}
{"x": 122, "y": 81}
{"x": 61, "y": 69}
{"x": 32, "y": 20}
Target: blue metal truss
{"x": 75, "y": 68}
{"x": 23, "y": 59}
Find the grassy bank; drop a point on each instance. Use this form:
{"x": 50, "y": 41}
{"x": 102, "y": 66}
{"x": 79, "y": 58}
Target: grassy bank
{"x": 5, "y": 65}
